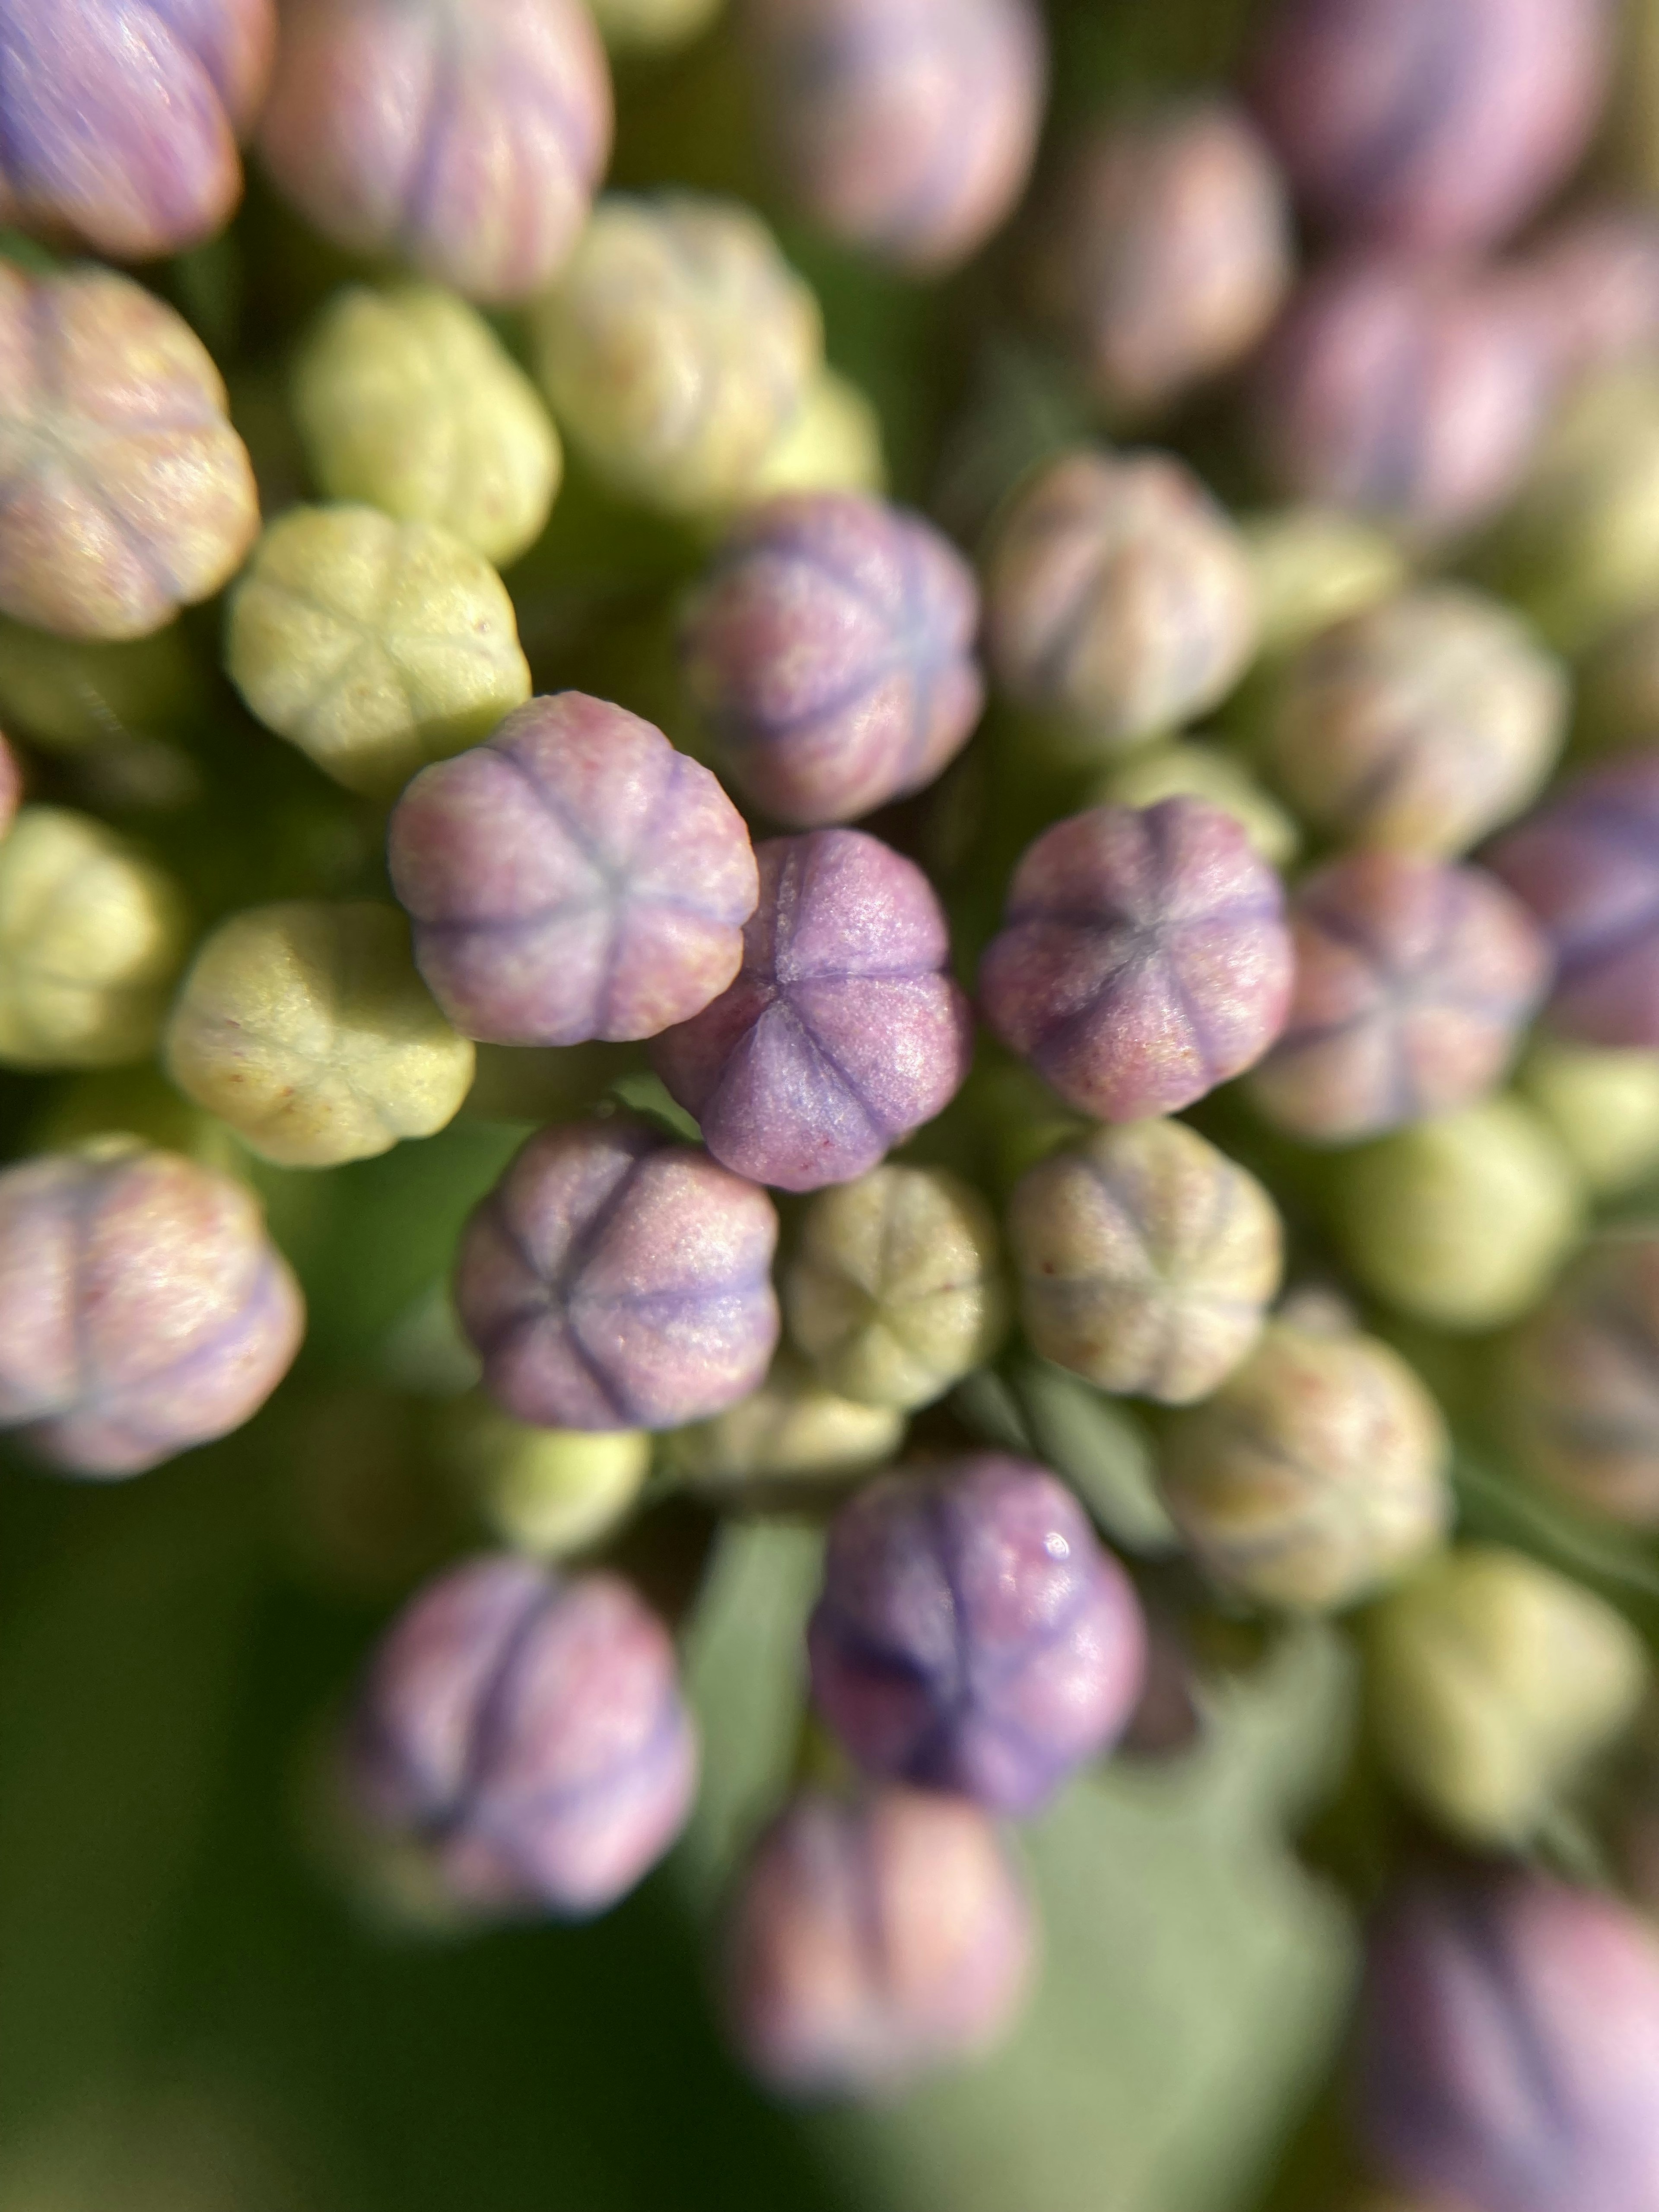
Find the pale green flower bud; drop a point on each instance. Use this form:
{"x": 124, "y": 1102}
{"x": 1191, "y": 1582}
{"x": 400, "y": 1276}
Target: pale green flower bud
{"x": 1603, "y": 1105}
{"x": 546, "y": 1491}
{"x": 1315, "y": 566}
{"x": 71, "y": 694}
{"x": 792, "y": 1430}
{"x": 832, "y": 443}
{"x": 1193, "y": 769}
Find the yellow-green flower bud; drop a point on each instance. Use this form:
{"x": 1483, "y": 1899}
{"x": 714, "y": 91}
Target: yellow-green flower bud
{"x": 630, "y": 27}
{"x": 408, "y": 401}
{"x": 375, "y": 645}
{"x": 1192, "y": 769}
{"x": 833, "y": 443}
{"x": 546, "y": 1491}
{"x": 1604, "y": 1106}
{"x": 1315, "y": 566}
{"x": 68, "y": 693}
{"x": 792, "y": 1430}
{"x": 306, "y": 1028}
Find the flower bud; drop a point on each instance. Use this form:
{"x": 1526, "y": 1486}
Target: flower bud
{"x": 1315, "y": 1475}
{"x": 574, "y": 877}
{"x": 1603, "y": 1107}
{"x": 119, "y": 124}
{"x": 1146, "y": 1261}
{"x": 830, "y": 648}
{"x": 1143, "y": 959}
{"x": 905, "y": 127}
{"x": 1315, "y": 566}
{"x": 1119, "y": 600}
{"x": 651, "y": 27}
{"x": 143, "y": 1308}
{"x": 614, "y": 1280}
{"x": 844, "y": 1031}
{"x": 529, "y": 1732}
{"x": 466, "y": 137}
{"x": 972, "y": 1635}
{"x": 374, "y": 645}
{"x": 1421, "y": 725}
{"x": 306, "y": 1028}
{"x": 1414, "y": 983}
{"x": 407, "y": 401}
{"x": 1460, "y": 1221}
{"x": 895, "y": 1294}
{"x": 831, "y": 443}
{"x": 75, "y": 695}
{"x": 544, "y": 1491}
{"x": 1592, "y": 281}
{"x": 1209, "y": 772}
{"x": 677, "y": 346}
{"x": 790, "y": 1430}
{"x": 124, "y": 493}
{"x": 91, "y": 937}
{"x": 873, "y": 1939}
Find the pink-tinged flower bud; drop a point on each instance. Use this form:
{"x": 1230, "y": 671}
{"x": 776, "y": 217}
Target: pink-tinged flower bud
{"x": 1438, "y": 123}
{"x": 614, "y": 1280}
{"x": 906, "y": 127}
{"x": 1592, "y": 284}
{"x": 465, "y": 137}
{"x": 574, "y": 878}
{"x": 142, "y": 1308}
{"x": 119, "y": 119}
{"x": 1144, "y": 958}
{"x": 844, "y": 1031}
{"x": 873, "y": 1940}
{"x": 830, "y": 648}
{"x": 124, "y": 493}
{"x": 1414, "y": 983}
{"x": 527, "y": 1733}
{"x": 1509, "y": 2045}
{"x": 972, "y": 1634}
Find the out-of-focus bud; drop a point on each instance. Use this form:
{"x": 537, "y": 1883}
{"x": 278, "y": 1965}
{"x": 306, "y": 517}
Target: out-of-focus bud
{"x": 614, "y": 1280}
{"x": 790, "y": 1430}
{"x": 306, "y": 1028}
{"x": 651, "y": 27}
{"x": 544, "y": 1491}
{"x": 124, "y": 493}
{"x": 1461, "y": 1220}
{"x": 1193, "y": 769}
{"x": 1164, "y": 251}
{"x": 119, "y": 124}
{"x": 528, "y": 1733}
{"x": 1491, "y": 1682}
{"x": 894, "y": 1294}
{"x": 906, "y": 127}
{"x": 407, "y": 401}
{"x": 1315, "y": 1475}
{"x": 1421, "y": 724}
{"x": 1119, "y": 600}
{"x": 1143, "y": 959}
{"x": 972, "y": 1634}
{"x": 91, "y": 937}
{"x": 375, "y": 645}
{"x": 71, "y": 694}
{"x": 844, "y": 1031}
{"x": 1146, "y": 1261}
{"x": 830, "y": 646}
{"x": 465, "y": 137}
{"x": 1509, "y": 2044}
{"x": 872, "y": 1940}
{"x": 831, "y": 443}
{"x": 575, "y": 877}
{"x": 142, "y": 1308}
{"x": 1315, "y": 566}
{"x": 1592, "y": 283}
{"x": 1414, "y": 983}
{"x": 676, "y": 348}
{"x": 1603, "y": 1105}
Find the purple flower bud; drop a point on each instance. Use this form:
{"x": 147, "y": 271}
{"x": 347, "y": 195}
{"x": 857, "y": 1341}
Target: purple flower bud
{"x": 1414, "y": 983}
{"x": 903, "y": 126}
{"x": 972, "y": 1634}
{"x": 1509, "y": 2045}
{"x": 614, "y": 1280}
{"x": 1430, "y": 123}
{"x": 1144, "y": 958}
{"x": 118, "y": 118}
{"x": 465, "y": 135}
{"x": 844, "y": 1032}
{"x": 873, "y": 1940}
{"x": 143, "y": 1308}
{"x": 831, "y": 647}
{"x": 574, "y": 878}
{"x": 529, "y": 1733}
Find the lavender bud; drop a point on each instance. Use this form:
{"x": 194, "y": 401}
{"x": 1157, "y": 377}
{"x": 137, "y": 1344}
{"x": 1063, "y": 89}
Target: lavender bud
{"x": 466, "y": 137}
{"x": 830, "y": 648}
{"x": 544, "y": 1491}
{"x": 972, "y": 1634}
{"x": 1601, "y": 1106}
{"x": 1414, "y": 983}
{"x": 574, "y": 877}
{"x": 143, "y": 1308}
{"x": 1143, "y": 959}
{"x": 124, "y": 493}
{"x": 1146, "y": 1261}
{"x": 529, "y": 1733}
{"x": 843, "y": 1031}
{"x": 1209, "y": 772}
{"x": 1315, "y": 566}
{"x": 790, "y": 1430}
{"x": 614, "y": 1280}
{"x": 873, "y": 1940}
